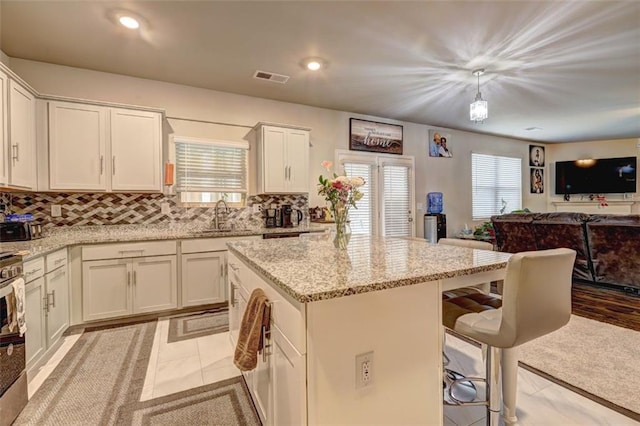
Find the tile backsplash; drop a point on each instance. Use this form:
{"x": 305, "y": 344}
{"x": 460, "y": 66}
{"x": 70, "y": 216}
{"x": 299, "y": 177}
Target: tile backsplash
{"x": 137, "y": 209}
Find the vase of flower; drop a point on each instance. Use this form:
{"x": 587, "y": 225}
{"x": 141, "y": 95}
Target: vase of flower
{"x": 343, "y": 230}
{"x": 342, "y": 192}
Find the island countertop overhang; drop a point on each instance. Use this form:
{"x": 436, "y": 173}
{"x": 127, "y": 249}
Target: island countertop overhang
{"x": 311, "y": 270}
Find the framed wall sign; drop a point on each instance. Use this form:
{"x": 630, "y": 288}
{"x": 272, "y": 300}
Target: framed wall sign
{"x": 375, "y": 137}
{"x": 536, "y": 156}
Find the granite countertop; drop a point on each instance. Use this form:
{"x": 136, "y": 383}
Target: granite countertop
{"x": 74, "y": 235}
{"x": 313, "y": 269}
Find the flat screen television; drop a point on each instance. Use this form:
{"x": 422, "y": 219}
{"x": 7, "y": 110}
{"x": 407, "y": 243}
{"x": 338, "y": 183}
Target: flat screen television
{"x": 596, "y": 176}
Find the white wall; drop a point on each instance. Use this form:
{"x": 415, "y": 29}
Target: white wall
{"x": 330, "y": 130}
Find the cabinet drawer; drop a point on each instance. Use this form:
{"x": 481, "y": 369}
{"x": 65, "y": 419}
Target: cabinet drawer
{"x": 33, "y": 269}
{"x": 121, "y": 251}
{"x": 55, "y": 260}
{"x": 201, "y": 245}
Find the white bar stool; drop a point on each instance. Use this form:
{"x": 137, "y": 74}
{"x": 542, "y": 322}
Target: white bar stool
{"x": 536, "y": 301}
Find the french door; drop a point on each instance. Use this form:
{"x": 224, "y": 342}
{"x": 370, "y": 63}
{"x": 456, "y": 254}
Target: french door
{"x": 386, "y": 209}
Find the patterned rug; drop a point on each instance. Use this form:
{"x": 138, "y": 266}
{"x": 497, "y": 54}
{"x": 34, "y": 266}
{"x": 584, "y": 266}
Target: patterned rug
{"x": 197, "y": 325}
{"x": 221, "y": 404}
{"x": 103, "y": 371}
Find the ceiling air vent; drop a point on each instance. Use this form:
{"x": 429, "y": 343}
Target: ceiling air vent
{"x": 276, "y": 78}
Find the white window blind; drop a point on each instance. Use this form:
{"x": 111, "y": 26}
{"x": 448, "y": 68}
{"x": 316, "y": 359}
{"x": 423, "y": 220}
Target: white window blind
{"x": 363, "y": 218}
{"x": 211, "y": 166}
{"x": 397, "y": 200}
{"x": 496, "y": 184}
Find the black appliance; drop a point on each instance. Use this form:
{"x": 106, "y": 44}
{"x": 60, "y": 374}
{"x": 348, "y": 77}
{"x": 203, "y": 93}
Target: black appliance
{"x": 596, "y": 176}
{"x": 272, "y": 218}
{"x": 13, "y": 376}
{"x": 283, "y": 235}
{"x": 290, "y": 216}
{"x": 19, "y": 231}
{"x": 440, "y": 226}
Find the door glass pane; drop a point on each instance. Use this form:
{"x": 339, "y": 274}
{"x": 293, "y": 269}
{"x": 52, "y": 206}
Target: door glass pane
{"x": 397, "y": 199}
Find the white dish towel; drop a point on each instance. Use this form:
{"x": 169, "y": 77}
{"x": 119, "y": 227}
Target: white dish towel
{"x": 19, "y": 293}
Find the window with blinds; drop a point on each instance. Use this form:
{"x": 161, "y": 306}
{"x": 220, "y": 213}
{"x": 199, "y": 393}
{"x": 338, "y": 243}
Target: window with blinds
{"x": 362, "y": 218}
{"x": 496, "y": 184}
{"x": 207, "y": 171}
{"x": 397, "y": 200}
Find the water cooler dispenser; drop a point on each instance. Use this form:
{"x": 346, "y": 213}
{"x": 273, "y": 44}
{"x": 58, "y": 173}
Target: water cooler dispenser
{"x": 435, "y": 222}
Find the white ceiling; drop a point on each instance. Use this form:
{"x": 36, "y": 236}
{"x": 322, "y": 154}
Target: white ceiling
{"x": 569, "y": 68}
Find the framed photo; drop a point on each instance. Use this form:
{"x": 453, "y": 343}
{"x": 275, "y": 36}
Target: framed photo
{"x": 439, "y": 144}
{"x": 537, "y": 180}
{"x": 375, "y": 137}
{"x": 536, "y": 156}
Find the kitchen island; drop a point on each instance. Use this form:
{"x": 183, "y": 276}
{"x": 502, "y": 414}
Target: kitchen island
{"x": 380, "y": 298}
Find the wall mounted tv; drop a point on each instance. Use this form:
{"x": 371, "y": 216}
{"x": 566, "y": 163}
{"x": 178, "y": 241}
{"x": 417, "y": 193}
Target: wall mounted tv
{"x": 596, "y": 176}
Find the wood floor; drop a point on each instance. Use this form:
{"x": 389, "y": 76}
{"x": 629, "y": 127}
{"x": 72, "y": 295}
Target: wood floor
{"x": 606, "y": 305}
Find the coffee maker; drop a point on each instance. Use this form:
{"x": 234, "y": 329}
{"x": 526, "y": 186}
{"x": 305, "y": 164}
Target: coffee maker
{"x": 273, "y": 218}
{"x": 290, "y": 216}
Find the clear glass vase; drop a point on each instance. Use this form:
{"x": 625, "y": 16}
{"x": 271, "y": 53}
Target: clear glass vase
{"x": 343, "y": 230}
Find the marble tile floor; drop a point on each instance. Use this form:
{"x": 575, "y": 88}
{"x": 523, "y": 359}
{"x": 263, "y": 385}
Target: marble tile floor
{"x": 178, "y": 366}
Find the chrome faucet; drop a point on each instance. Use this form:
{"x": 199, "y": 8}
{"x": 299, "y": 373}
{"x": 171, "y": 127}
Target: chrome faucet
{"x": 216, "y": 222}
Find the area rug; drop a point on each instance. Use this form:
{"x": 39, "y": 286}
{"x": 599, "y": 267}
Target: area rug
{"x": 596, "y": 359}
{"x": 104, "y": 370}
{"x": 224, "y": 403}
{"x": 197, "y": 325}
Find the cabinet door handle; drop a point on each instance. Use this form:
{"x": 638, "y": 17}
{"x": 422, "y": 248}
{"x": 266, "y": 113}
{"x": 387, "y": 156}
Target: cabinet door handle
{"x": 234, "y": 267}
{"x": 15, "y": 153}
{"x": 113, "y": 165}
{"x": 45, "y": 300}
{"x": 53, "y": 296}
{"x": 266, "y": 336}
{"x": 232, "y": 296}
{"x": 134, "y": 278}
{"x": 128, "y": 278}
{"x": 101, "y": 165}
{"x": 57, "y": 261}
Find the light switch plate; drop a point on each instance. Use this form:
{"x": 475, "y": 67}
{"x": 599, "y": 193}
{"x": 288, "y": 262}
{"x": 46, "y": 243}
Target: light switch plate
{"x": 56, "y": 210}
{"x": 419, "y": 206}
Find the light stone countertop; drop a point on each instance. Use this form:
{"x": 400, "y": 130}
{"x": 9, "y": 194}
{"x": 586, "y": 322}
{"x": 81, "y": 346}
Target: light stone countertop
{"x": 312, "y": 269}
{"x": 74, "y": 235}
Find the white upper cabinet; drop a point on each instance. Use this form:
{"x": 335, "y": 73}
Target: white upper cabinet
{"x": 77, "y": 146}
{"x": 22, "y": 139}
{"x": 4, "y": 172}
{"x": 283, "y": 159}
{"x": 136, "y": 143}
{"x": 99, "y": 148}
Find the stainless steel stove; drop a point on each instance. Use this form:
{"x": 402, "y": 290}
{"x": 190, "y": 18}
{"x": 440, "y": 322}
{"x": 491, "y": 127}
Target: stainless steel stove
{"x": 13, "y": 376}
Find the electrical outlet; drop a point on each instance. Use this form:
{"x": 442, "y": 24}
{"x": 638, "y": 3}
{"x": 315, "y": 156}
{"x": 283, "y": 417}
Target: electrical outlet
{"x": 256, "y": 208}
{"x": 56, "y": 210}
{"x": 364, "y": 370}
{"x": 165, "y": 208}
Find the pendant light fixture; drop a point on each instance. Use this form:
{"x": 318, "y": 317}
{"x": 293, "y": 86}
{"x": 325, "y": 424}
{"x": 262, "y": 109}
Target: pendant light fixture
{"x": 479, "y": 109}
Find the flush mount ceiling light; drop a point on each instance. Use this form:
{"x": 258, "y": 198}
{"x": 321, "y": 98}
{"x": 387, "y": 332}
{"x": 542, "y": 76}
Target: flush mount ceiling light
{"x": 314, "y": 64}
{"x": 129, "y": 22}
{"x": 479, "y": 109}
{"x": 127, "y": 19}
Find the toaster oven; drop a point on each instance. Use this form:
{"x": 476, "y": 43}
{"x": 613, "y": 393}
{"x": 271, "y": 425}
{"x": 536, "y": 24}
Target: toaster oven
{"x": 19, "y": 231}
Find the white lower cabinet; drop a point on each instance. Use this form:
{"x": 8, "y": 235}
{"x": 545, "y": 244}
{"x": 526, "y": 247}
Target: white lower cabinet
{"x": 203, "y": 278}
{"x": 132, "y": 283}
{"x": 278, "y": 383}
{"x": 46, "y": 304}
{"x": 35, "y": 319}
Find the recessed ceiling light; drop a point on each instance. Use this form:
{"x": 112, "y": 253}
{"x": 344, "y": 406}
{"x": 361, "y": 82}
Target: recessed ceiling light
{"x": 313, "y": 64}
{"x": 533, "y": 129}
{"x": 129, "y": 22}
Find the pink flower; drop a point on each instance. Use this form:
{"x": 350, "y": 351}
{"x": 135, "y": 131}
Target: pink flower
{"x": 327, "y": 164}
